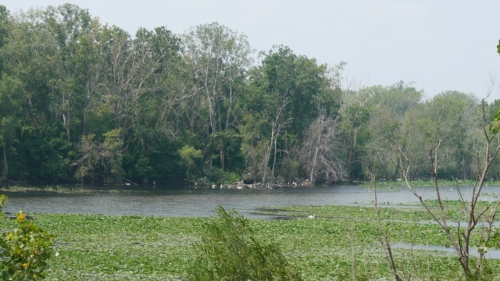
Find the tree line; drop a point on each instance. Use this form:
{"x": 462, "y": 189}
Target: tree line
{"x": 88, "y": 102}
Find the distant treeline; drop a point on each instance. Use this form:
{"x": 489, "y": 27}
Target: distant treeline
{"x": 87, "y": 102}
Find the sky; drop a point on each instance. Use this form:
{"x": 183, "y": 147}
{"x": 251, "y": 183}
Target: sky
{"x": 439, "y": 45}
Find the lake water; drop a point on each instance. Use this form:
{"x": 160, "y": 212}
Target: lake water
{"x": 490, "y": 254}
{"x": 190, "y": 202}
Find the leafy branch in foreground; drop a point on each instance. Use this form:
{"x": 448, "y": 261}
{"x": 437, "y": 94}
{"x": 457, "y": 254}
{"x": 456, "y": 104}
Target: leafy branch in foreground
{"x": 25, "y": 250}
{"x": 229, "y": 251}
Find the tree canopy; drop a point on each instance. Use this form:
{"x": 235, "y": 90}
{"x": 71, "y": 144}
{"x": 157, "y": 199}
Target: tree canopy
{"x": 86, "y": 101}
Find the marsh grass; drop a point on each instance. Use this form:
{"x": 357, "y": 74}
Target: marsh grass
{"x": 229, "y": 250}
{"x": 98, "y": 247}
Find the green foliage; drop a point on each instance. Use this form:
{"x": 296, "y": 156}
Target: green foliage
{"x": 289, "y": 169}
{"x": 231, "y": 177}
{"x": 3, "y": 200}
{"x": 100, "y": 159}
{"x": 254, "y": 144}
{"x": 4, "y": 21}
{"x": 11, "y": 96}
{"x": 25, "y": 250}
{"x": 495, "y": 123}
{"x": 189, "y": 155}
{"x": 45, "y": 154}
{"x": 216, "y": 175}
{"x": 493, "y": 242}
{"x": 298, "y": 79}
{"x": 112, "y": 145}
{"x": 86, "y": 166}
{"x": 229, "y": 251}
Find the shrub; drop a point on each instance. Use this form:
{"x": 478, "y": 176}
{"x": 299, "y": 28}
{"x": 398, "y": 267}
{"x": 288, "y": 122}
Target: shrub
{"x": 25, "y": 250}
{"x": 216, "y": 175}
{"x": 229, "y": 251}
{"x": 231, "y": 177}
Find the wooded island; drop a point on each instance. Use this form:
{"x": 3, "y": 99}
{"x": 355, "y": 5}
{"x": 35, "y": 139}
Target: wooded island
{"x": 88, "y": 102}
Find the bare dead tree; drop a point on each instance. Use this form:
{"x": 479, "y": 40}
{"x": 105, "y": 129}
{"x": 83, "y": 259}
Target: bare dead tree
{"x": 319, "y": 150}
{"x": 100, "y": 156}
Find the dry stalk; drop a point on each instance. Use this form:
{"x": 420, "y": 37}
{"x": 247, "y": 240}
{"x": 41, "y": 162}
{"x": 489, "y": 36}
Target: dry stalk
{"x": 384, "y": 240}
{"x": 353, "y": 265}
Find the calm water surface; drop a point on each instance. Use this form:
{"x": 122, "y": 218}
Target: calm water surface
{"x": 491, "y": 254}
{"x": 188, "y": 202}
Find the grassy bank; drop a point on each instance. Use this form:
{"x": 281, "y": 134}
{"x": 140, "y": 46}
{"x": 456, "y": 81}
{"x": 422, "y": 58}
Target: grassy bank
{"x": 98, "y": 247}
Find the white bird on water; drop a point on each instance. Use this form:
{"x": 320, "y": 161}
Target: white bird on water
{"x": 311, "y": 216}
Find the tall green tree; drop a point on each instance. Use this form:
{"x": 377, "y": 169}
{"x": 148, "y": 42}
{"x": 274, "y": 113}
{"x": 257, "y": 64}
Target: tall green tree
{"x": 11, "y": 98}
{"x": 286, "y": 89}
{"x": 354, "y": 114}
{"x": 75, "y": 34}
{"x": 218, "y": 58}
{"x": 388, "y": 107}
{"x": 4, "y": 22}
{"x": 299, "y": 80}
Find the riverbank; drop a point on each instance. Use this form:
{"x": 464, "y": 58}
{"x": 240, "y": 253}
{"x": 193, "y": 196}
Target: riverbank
{"x": 99, "y": 247}
{"x": 13, "y": 188}
{"x": 70, "y": 189}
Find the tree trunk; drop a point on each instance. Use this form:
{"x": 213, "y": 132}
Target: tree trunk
{"x": 67, "y": 117}
{"x": 316, "y": 155}
{"x": 68, "y": 129}
{"x": 85, "y": 121}
{"x": 274, "y": 160}
{"x": 222, "y": 147}
{"x": 85, "y": 109}
{"x": 265, "y": 162}
{"x": 311, "y": 177}
{"x": 5, "y": 163}
{"x": 222, "y": 154}
{"x": 394, "y": 176}
{"x": 352, "y": 155}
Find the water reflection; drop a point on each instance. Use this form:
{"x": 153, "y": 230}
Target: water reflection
{"x": 187, "y": 202}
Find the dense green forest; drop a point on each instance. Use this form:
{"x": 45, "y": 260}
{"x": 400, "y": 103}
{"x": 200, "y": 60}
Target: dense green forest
{"x": 86, "y": 102}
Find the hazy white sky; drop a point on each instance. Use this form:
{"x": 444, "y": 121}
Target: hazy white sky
{"x": 438, "y": 44}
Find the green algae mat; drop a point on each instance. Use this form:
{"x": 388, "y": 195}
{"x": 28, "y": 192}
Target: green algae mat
{"x": 341, "y": 241}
